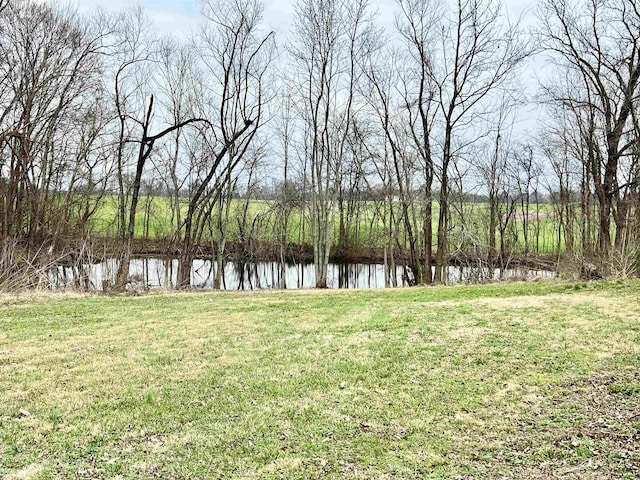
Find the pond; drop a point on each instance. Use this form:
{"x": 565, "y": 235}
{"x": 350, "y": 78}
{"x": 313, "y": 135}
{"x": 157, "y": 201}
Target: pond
{"x": 157, "y": 273}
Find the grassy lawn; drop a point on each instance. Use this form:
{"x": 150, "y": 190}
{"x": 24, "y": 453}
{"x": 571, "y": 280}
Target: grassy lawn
{"x": 536, "y": 380}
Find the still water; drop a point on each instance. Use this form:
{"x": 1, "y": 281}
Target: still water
{"x": 156, "y": 273}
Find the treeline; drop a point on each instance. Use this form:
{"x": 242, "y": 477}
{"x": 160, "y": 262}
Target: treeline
{"x": 98, "y": 103}
{"x": 345, "y": 131}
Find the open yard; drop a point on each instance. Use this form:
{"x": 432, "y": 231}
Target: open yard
{"x": 523, "y": 380}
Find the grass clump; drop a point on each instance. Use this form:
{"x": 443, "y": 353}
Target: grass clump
{"x": 516, "y": 380}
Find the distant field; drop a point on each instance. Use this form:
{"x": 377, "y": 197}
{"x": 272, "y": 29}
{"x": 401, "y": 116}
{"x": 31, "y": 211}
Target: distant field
{"x": 525, "y": 380}
{"x": 371, "y": 230}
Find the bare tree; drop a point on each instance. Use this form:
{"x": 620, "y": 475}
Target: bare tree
{"x": 478, "y": 53}
{"x": 146, "y": 143}
{"x": 597, "y": 45}
{"x": 417, "y": 23}
{"x": 49, "y": 81}
{"x": 179, "y": 86}
{"x": 237, "y": 55}
{"x": 325, "y": 55}
{"x": 401, "y": 169}
{"x": 133, "y": 51}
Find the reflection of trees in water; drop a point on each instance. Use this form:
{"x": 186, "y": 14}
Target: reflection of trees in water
{"x": 155, "y": 272}
{"x": 248, "y": 276}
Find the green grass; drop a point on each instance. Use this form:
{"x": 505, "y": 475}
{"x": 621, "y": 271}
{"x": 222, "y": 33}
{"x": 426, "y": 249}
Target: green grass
{"x": 369, "y": 232}
{"x": 524, "y": 380}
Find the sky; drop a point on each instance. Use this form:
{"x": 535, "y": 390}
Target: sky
{"x": 182, "y": 16}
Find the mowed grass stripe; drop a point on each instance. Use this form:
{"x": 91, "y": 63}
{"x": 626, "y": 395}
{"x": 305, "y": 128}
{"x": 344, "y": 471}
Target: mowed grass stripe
{"x": 471, "y": 382}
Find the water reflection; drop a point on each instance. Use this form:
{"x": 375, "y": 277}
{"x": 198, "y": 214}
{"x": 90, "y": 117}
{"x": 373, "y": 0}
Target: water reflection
{"x": 156, "y": 272}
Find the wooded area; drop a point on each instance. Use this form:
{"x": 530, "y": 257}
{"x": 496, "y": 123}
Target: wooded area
{"x": 344, "y": 139}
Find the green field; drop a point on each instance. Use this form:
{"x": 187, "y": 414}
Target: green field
{"x": 523, "y": 380}
{"x": 263, "y": 217}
